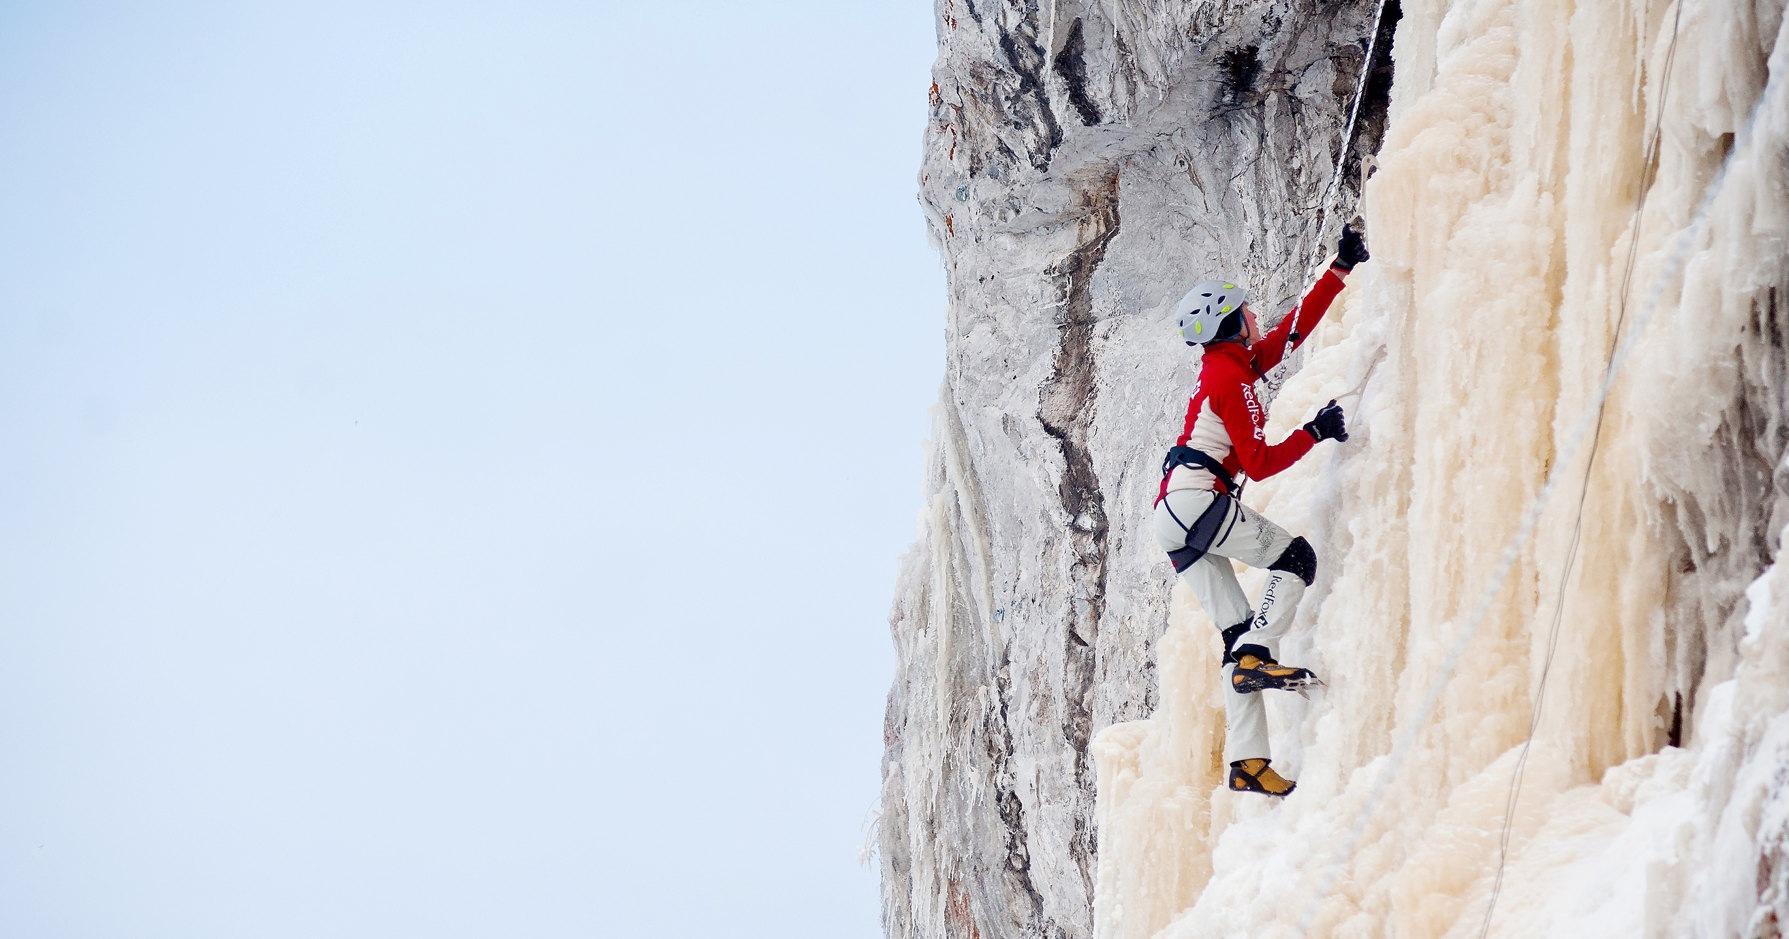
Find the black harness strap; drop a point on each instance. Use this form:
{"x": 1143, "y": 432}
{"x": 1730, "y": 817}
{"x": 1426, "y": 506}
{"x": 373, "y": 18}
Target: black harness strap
{"x": 1201, "y": 534}
{"x": 1187, "y": 456}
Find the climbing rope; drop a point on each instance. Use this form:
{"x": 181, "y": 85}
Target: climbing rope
{"x": 1649, "y": 168}
{"x": 1325, "y": 205}
{"x": 1519, "y": 539}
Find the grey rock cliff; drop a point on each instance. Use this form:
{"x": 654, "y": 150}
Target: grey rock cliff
{"x": 1084, "y": 164}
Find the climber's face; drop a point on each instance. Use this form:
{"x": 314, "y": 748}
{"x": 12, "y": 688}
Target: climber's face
{"x": 1251, "y": 330}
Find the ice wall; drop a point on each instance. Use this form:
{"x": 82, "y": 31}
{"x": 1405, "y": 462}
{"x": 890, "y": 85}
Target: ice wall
{"x": 1084, "y": 164}
{"x": 1503, "y": 213}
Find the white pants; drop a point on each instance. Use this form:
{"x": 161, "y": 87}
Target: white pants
{"x": 1250, "y": 538}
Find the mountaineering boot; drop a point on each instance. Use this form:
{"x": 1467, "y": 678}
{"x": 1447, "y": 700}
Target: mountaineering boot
{"x": 1254, "y": 673}
{"x": 1257, "y": 776}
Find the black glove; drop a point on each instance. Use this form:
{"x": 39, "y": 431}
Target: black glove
{"x": 1327, "y": 425}
{"x": 1351, "y": 250}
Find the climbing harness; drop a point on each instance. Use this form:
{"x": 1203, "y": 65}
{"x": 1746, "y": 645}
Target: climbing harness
{"x": 1187, "y": 456}
{"x": 1203, "y": 532}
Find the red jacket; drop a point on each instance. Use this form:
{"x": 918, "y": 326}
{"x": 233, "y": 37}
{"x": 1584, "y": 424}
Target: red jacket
{"x": 1226, "y": 419}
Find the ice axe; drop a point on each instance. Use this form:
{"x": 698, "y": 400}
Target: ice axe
{"x": 1362, "y": 386}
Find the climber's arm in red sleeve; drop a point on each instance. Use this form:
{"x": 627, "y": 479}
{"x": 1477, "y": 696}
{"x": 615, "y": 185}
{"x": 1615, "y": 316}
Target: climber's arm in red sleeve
{"x": 1271, "y": 347}
{"x": 1241, "y": 411}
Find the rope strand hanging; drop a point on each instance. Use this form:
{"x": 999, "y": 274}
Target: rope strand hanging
{"x": 1649, "y": 168}
{"x": 1325, "y": 205}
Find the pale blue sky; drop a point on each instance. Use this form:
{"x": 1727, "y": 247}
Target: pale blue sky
{"x": 453, "y": 463}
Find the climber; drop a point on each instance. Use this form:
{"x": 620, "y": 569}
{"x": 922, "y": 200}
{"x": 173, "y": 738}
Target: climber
{"x": 1200, "y": 521}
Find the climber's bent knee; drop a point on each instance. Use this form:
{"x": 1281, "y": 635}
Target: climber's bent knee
{"x": 1299, "y": 559}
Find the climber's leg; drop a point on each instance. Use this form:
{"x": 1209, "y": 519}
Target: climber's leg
{"x": 1293, "y": 570}
{"x": 1254, "y": 540}
{"x": 1258, "y": 542}
{"x": 1214, "y": 582}
{"x": 1245, "y": 722}
{"x": 1245, "y": 717}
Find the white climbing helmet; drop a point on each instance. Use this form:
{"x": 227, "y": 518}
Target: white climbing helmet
{"x": 1202, "y": 311}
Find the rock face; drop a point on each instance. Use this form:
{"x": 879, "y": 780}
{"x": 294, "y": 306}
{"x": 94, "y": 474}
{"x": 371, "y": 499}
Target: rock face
{"x": 1528, "y": 594}
{"x": 1084, "y": 164}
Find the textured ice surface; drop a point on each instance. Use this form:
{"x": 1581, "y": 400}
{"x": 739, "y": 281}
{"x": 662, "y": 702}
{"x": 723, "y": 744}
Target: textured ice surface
{"x": 1087, "y": 162}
